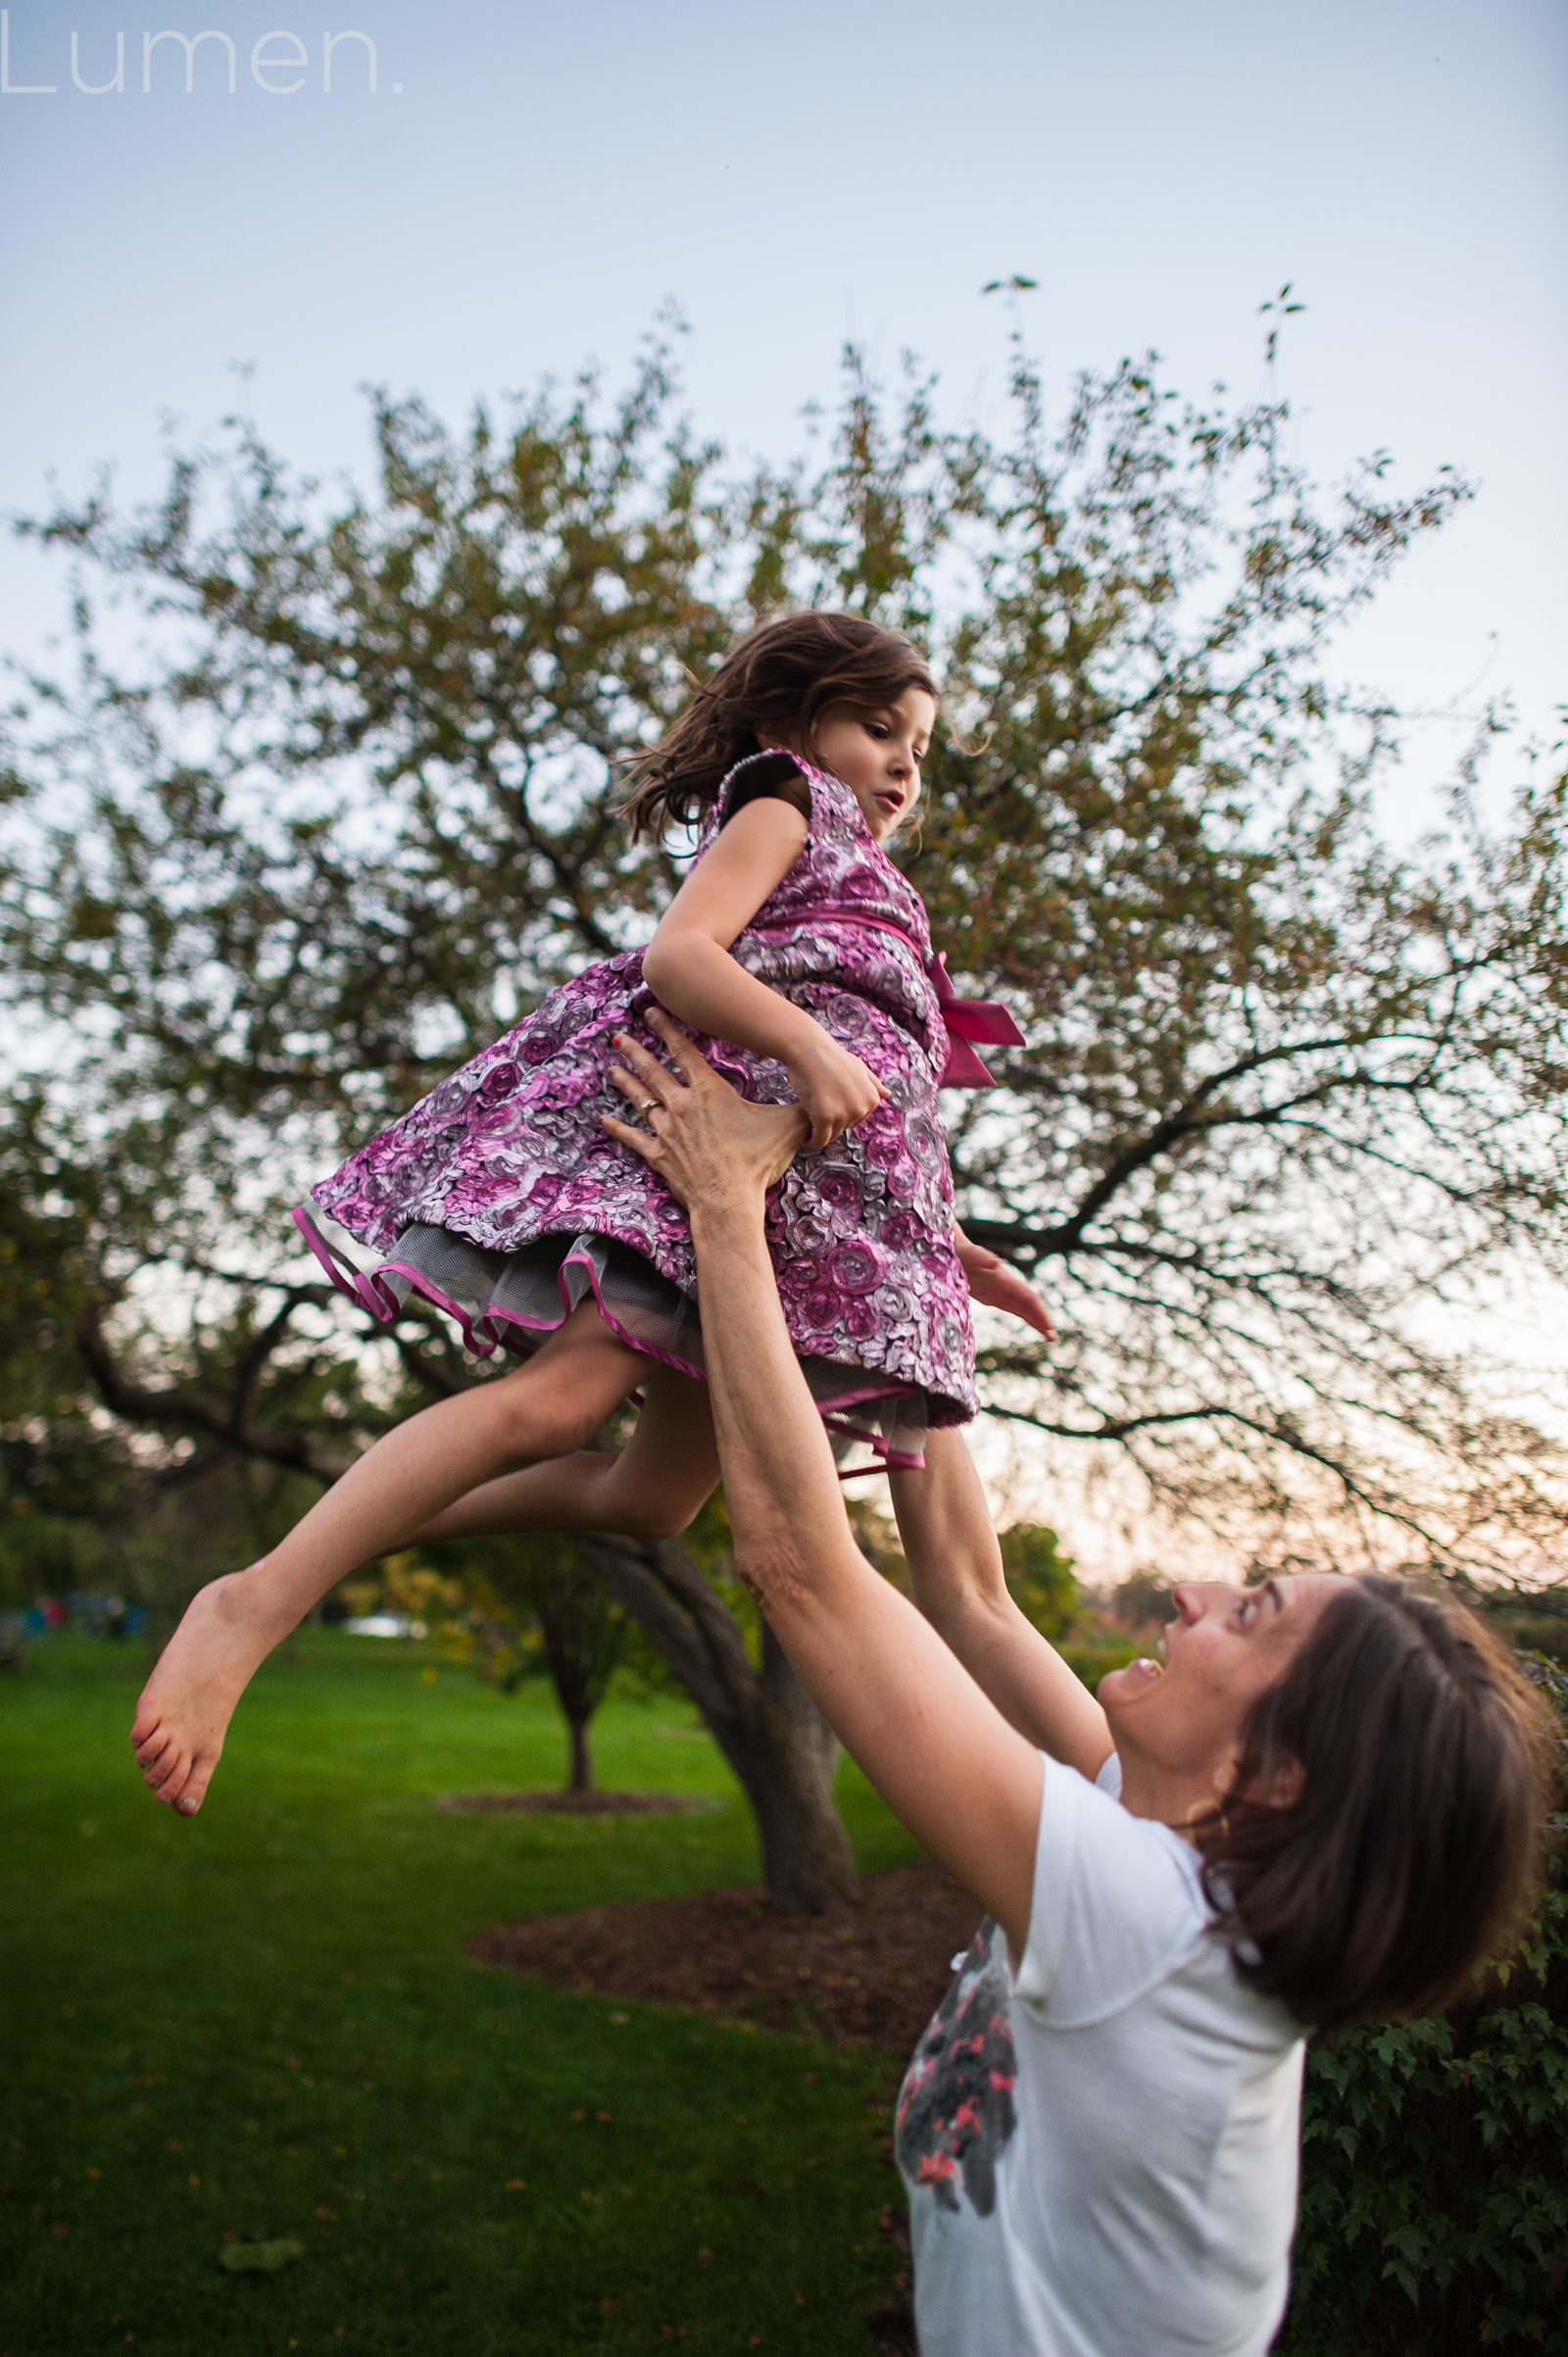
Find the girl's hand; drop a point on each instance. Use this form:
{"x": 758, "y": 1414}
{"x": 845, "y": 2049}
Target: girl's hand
{"x": 832, "y": 1087}
{"x": 1000, "y": 1287}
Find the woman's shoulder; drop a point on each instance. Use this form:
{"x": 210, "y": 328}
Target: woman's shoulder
{"x": 1118, "y": 1902}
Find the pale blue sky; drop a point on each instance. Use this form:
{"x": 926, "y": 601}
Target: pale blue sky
{"x": 547, "y": 177}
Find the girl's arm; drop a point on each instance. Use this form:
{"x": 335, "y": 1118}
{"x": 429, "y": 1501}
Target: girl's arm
{"x": 965, "y": 1783}
{"x": 688, "y": 966}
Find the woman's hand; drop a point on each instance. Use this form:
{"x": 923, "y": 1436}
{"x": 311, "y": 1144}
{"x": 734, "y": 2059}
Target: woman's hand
{"x": 712, "y": 1147}
{"x": 832, "y": 1087}
{"x": 1000, "y": 1287}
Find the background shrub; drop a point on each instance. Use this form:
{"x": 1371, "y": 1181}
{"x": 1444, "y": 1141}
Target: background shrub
{"x": 1435, "y": 2166}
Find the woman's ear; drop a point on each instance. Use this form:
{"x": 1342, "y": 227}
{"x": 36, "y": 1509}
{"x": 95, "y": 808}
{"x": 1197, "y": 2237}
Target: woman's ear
{"x": 1281, "y": 1785}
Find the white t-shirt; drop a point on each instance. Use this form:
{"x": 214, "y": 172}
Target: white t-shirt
{"x": 1101, "y": 2153}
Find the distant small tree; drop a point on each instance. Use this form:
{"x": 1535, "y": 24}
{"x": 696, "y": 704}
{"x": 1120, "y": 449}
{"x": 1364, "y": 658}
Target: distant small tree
{"x": 680, "y": 1603}
{"x": 1040, "y": 1577}
{"x": 582, "y": 1635}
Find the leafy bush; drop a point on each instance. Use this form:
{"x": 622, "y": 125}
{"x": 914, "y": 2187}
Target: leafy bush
{"x": 1040, "y": 1577}
{"x": 1435, "y": 2167}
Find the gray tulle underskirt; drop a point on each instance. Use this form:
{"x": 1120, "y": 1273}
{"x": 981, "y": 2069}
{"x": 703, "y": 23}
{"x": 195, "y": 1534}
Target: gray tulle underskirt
{"x": 514, "y": 1301}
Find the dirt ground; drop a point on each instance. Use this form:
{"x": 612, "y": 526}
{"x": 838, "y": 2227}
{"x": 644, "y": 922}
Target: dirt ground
{"x": 868, "y": 1975}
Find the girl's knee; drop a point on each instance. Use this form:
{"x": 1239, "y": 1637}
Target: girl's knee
{"x": 662, "y": 1517}
{"x": 534, "y": 1421}
{"x": 657, "y": 1507}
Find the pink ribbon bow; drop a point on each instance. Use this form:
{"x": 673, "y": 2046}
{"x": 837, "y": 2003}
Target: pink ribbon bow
{"x": 967, "y": 1021}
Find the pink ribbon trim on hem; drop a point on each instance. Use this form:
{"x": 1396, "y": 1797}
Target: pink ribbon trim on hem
{"x": 483, "y": 1339}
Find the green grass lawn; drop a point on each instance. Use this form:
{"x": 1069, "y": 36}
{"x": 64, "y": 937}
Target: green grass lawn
{"x": 261, "y": 2024}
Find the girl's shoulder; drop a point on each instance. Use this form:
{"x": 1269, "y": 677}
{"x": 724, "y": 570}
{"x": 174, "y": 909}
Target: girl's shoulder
{"x": 840, "y": 860}
{"x": 822, "y": 800}
{"x": 830, "y": 810}
{"x": 762, "y": 777}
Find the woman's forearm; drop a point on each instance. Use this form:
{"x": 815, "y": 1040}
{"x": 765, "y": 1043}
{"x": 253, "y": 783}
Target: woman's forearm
{"x": 781, "y": 1484}
{"x": 963, "y": 1781}
{"x": 948, "y": 1764}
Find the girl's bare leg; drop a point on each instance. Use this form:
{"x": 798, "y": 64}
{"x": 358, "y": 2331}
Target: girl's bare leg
{"x": 650, "y": 1489}
{"x": 546, "y": 1409}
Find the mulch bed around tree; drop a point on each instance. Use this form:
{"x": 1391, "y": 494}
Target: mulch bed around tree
{"x": 867, "y": 1974}
{"x": 594, "y": 1803}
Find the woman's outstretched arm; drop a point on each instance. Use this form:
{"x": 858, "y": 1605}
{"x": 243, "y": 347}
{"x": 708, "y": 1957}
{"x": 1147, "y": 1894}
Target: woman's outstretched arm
{"x": 965, "y": 1783}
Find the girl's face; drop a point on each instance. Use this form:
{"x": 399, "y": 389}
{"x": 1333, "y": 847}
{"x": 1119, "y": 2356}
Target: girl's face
{"x": 878, "y": 751}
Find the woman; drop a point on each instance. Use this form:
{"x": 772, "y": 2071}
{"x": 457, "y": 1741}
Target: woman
{"x": 1323, "y": 1806}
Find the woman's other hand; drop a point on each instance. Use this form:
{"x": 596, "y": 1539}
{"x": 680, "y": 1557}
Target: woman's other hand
{"x": 992, "y": 1281}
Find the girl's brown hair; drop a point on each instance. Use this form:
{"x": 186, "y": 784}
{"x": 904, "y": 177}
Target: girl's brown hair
{"x": 1410, "y": 1856}
{"x": 778, "y": 684}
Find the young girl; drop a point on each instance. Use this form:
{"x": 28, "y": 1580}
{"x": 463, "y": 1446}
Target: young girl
{"x": 800, "y": 958}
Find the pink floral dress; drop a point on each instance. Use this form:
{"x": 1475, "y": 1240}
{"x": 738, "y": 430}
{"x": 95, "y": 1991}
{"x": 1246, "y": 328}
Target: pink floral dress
{"x": 500, "y": 1198}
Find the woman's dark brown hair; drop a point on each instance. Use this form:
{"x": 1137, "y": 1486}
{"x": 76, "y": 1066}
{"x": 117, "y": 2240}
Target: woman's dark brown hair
{"x": 778, "y": 684}
{"x": 1410, "y": 1855}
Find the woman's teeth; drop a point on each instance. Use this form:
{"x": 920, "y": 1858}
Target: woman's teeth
{"x": 1155, "y": 1669}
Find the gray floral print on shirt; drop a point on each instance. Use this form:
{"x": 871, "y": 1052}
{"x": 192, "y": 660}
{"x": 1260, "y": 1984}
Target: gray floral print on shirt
{"x": 955, "y": 2113}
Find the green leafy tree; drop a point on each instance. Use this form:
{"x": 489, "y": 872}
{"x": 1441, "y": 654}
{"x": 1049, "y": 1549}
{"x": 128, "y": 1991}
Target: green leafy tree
{"x": 1040, "y": 1577}
{"x": 1285, "y": 1093}
{"x": 556, "y": 1608}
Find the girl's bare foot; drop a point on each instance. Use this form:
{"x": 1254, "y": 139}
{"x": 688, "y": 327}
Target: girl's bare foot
{"x": 402, "y": 1483}
{"x": 187, "y": 1702}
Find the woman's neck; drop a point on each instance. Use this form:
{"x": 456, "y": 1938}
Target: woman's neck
{"x": 1181, "y": 1798}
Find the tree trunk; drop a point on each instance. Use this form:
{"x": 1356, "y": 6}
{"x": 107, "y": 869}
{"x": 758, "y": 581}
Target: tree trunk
{"x": 582, "y": 1764}
{"x": 786, "y": 1763}
{"x": 781, "y": 1748}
